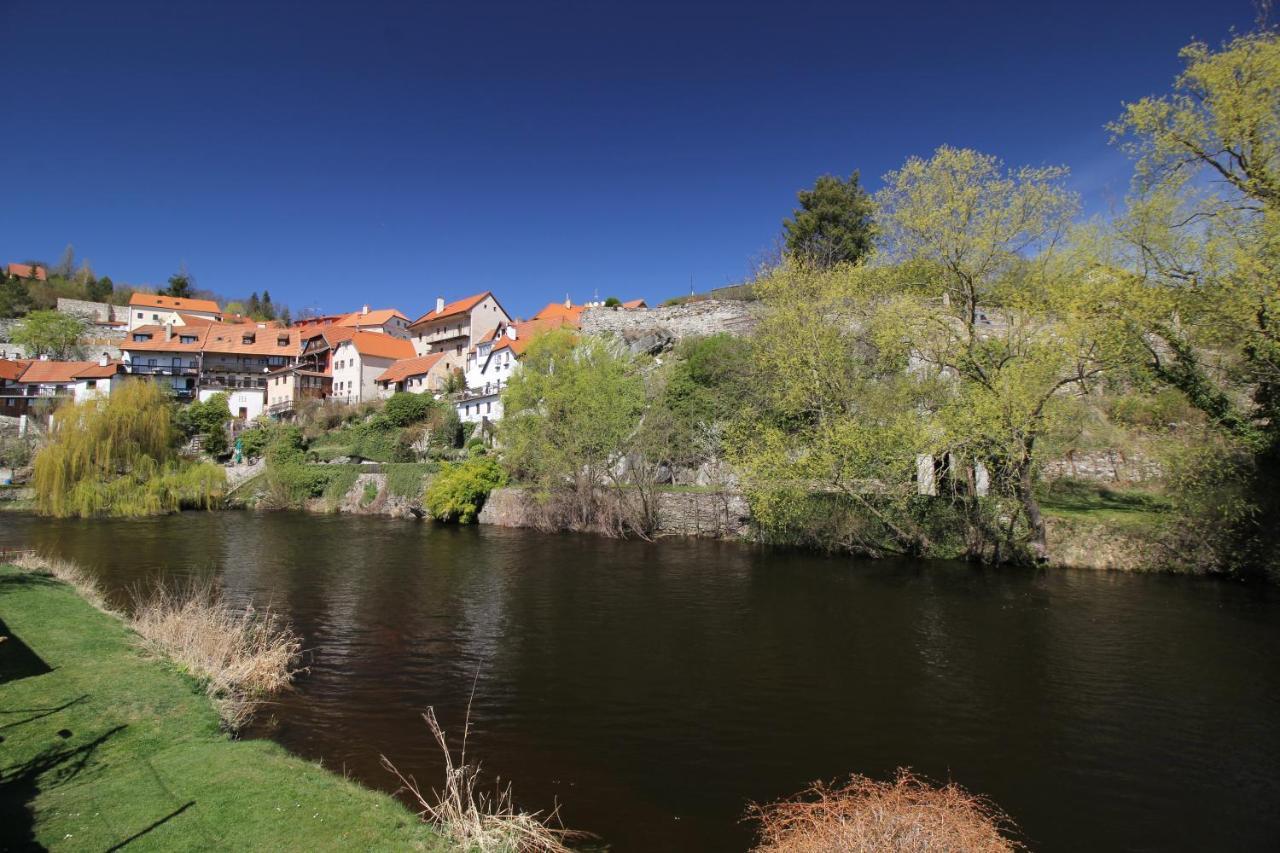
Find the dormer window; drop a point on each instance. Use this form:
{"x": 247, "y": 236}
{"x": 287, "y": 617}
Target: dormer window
{"x": 143, "y": 337}
{"x": 248, "y": 339}
{"x": 187, "y": 339}
{"x": 282, "y": 341}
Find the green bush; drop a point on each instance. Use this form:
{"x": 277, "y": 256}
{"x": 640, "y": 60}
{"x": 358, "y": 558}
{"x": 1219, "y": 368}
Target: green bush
{"x": 208, "y": 419}
{"x": 404, "y": 479}
{"x": 460, "y": 490}
{"x": 404, "y": 408}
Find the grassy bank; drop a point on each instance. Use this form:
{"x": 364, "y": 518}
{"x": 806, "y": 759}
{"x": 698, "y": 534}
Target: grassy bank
{"x": 103, "y": 747}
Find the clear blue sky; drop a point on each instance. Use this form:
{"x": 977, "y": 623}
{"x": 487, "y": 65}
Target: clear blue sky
{"x": 338, "y": 153}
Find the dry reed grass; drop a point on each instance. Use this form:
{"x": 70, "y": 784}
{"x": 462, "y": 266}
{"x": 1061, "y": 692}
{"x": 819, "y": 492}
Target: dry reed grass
{"x": 69, "y": 573}
{"x": 907, "y": 815}
{"x": 473, "y": 819}
{"x": 241, "y": 656}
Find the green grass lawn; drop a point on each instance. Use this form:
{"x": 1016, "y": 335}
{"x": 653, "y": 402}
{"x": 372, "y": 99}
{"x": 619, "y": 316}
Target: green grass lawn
{"x": 1080, "y": 501}
{"x": 104, "y": 748}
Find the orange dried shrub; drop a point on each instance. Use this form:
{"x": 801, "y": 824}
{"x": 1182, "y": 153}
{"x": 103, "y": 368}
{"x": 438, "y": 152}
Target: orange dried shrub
{"x": 907, "y": 815}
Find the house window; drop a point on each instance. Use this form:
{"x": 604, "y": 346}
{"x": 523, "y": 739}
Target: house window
{"x": 139, "y": 315}
{"x": 91, "y": 384}
{"x": 488, "y": 407}
{"x": 187, "y": 339}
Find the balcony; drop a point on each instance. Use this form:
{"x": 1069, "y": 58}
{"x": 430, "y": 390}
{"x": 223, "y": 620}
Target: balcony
{"x": 161, "y": 370}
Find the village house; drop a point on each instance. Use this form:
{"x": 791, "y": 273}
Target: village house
{"x": 196, "y": 362}
{"x": 78, "y": 380}
{"x": 150, "y": 309}
{"x": 13, "y": 396}
{"x": 424, "y": 374}
{"x": 35, "y": 271}
{"x": 388, "y": 321}
{"x": 289, "y": 386}
{"x": 359, "y": 359}
{"x": 491, "y": 363}
{"x": 454, "y": 327}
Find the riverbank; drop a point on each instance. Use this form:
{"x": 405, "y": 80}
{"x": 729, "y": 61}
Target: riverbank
{"x": 105, "y": 747}
{"x": 1090, "y": 526}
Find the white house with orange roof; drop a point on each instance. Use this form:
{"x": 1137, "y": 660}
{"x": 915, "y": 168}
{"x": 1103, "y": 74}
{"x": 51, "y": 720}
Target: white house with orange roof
{"x": 360, "y": 359}
{"x": 454, "y": 327}
{"x": 491, "y": 363}
{"x": 423, "y": 374}
{"x": 387, "y": 321}
{"x": 152, "y": 309}
{"x": 79, "y": 380}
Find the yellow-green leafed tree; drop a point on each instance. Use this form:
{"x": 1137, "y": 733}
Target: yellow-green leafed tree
{"x": 1201, "y": 241}
{"x": 117, "y": 456}
{"x": 1017, "y": 326}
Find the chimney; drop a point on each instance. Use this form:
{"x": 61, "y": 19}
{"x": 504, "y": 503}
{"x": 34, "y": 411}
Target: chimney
{"x": 168, "y": 331}
{"x": 103, "y": 361}
{"x": 567, "y": 303}
{"x": 439, "y": 304}
{"x": 364, "y": 310}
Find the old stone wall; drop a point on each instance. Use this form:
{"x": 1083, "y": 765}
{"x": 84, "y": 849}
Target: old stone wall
{"x": 1104, "y": 466}
{"x": 94, "y": 312}
{"x": 680, "y": 513}
{"x": 694, "y": 319}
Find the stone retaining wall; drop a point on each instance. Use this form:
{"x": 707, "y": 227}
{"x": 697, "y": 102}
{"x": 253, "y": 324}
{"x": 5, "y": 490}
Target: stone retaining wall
{"x": 715, "y": 514}
{"x": 694, "y": 319}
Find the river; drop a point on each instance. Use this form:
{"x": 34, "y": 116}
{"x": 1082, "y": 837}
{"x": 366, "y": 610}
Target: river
{"x": 655, "y": 689}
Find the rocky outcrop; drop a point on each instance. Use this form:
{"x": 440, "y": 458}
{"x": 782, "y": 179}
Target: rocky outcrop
{"x": 657, "y": 329}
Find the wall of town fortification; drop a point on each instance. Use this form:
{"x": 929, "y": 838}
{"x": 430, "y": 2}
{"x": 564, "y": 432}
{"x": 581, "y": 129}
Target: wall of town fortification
{"x": 693, "y": 319}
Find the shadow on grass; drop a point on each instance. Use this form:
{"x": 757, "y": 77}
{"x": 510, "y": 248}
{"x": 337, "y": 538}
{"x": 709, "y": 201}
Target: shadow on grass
{"x": 1077, "y": 496}
{"x": 19, "y": 785}
{"x": 25, "y": 580}
{"x": 155, "y": 825}
{"x": 17, "y": 660}
{"x": 39, "y": 713}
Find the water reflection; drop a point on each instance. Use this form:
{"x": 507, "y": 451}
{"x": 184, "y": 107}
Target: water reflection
{"x": 654, "y": 689}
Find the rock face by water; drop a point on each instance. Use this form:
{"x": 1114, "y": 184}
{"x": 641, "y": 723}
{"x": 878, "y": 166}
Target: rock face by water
{"x": 721, "y": 515}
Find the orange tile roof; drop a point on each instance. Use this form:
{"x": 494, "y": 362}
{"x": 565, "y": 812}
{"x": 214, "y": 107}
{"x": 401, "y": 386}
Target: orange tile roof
{"x": 12, "y": 368}
{"x": 461, "y": 306}
{"x": 553, "y": 310}
{"x": 194, "y": 320}
{"x": 373, "y": 318}
{"x": 407, "y": 367}
{"x": 173, "y": 303}
{"x": 25, "y": 271}
{"x": 231, "y": 339}
{"x": 379, "y": 345}
{"x": 217, "y": 338}
{"x": 634, "y": 304}
{"x": 159, "y": 344}
{"x": 67, "y": 371}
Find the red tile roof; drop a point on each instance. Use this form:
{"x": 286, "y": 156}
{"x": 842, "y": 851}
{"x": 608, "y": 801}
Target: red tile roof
{"x": 407, "y": 367}
{"x": 379, "y": 317}
{"x": 461, "y": 306}
{"x": 633, "y": 304}
{"x": 571, "y": 315}
{"x": 50, "y": 372}
{"x": 25, "y": 271}
{"x": 12, "y": 368}
{"x": 173, "y": 303}
{"x": 379, "y": 345}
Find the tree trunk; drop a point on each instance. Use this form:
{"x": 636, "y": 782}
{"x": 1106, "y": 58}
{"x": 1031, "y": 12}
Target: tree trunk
{"x": 1038, "y": 540}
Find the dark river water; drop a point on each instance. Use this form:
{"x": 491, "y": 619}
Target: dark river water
{"x": 654, "y": 690}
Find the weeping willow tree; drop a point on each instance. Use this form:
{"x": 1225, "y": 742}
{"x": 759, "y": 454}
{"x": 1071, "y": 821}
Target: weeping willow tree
{"x": 116, "y": 456}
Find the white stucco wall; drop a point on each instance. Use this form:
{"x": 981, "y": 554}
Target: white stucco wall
{"x": 252, "y": 400}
